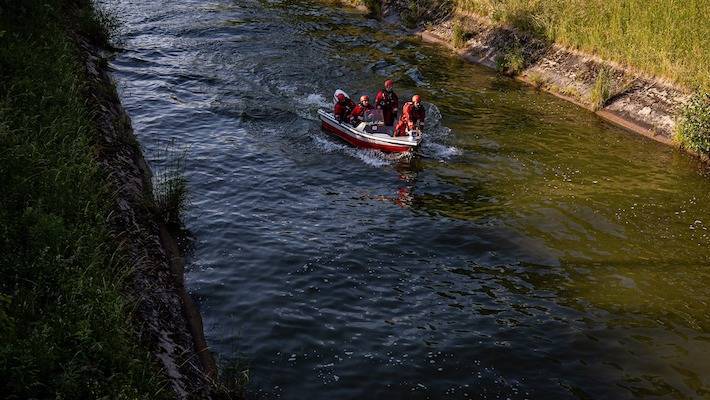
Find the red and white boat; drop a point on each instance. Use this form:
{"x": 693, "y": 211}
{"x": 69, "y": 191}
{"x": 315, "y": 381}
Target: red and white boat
{"x": 371, "y": 134}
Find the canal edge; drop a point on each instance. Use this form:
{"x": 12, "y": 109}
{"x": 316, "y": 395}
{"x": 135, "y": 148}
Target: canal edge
{"x": 645, "y": 106}
{"x": 170, "y": 323}
{"x": 639, "y": 103}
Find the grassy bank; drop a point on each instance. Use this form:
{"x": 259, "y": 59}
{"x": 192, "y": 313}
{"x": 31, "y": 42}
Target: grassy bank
{"x": 65, "y": 327}
{"x": 665, "y": 38}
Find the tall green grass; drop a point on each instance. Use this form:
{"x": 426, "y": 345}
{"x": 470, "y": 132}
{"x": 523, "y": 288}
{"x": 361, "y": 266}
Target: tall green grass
{"x": 602, "y": 89}
{"x": 458, "y": 34}
{"x": 666, "y": 38}
{"x": 65, "y": 327}
{"x": 170, "y": 194}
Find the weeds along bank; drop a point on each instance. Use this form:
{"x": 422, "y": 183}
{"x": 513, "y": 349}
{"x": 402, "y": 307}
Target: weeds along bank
{"x": 89, "y": 307}
{"x": 641, "y": 64}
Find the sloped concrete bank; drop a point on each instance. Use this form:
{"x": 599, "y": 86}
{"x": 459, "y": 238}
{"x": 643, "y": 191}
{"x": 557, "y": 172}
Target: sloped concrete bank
{"x": 637, "y": 102}
{"x": 169, "y": 322}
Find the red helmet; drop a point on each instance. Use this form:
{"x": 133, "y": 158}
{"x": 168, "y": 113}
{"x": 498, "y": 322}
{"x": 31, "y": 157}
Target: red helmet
{"x": 341, "y": 97}
{"x": 364, "y": 98}
{"x": 416, "y": 98}
{"x": 389, "y": 83}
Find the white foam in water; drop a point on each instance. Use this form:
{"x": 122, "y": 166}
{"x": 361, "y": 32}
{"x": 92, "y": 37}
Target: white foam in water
{"x": 288, "y": 88}
{"x": 441, "y": 151}
{"x": 316, "y": 100}
{"x": 433, "y": 115}
{"x": 313, "y": 102}
{"x": 374, "y": 158}
{"x": 328, "y": 146}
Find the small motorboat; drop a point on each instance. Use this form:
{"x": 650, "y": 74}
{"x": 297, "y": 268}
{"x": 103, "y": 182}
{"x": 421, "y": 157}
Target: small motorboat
{"x": 372, "y": 133}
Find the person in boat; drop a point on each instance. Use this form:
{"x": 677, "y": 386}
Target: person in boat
{"x": 342, "y": 108}
{"x": 358, "y": 114}
{"x": 413, "y": 115}
{"x": 388, "y": 102}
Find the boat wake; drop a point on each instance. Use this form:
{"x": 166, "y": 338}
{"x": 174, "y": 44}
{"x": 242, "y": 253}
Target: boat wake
{"x": 434, "y": 145}
{"x": 373, "y": 158}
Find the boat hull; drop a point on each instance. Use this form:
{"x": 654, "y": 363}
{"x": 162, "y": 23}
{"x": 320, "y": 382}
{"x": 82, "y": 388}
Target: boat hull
{"x": 359, "y": 139}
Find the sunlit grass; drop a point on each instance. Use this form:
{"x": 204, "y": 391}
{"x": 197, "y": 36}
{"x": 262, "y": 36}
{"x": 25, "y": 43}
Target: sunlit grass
{"x": 601, "y": 91}
{"x": 512, "y": 61}
{"x": 666, "y": 38}
{"x": 693, "y": 128}
{"x": 458, "y": 34}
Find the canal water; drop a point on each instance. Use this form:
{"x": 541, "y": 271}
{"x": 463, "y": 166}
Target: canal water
{"x": 528, "y": 249}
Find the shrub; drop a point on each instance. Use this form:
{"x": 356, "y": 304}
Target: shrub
{"x": 170, "y": 186}
{"x": 458, "y": 34}
{"x": 410, "y": 16}
{"x": 98, "y": 25}
{"x": 536, "y": 80}
{"x": 602, "y": 90}
{"x": 374, "y": 6}
{"x": 693, "y": 123}
{"x": 512, "y": 61}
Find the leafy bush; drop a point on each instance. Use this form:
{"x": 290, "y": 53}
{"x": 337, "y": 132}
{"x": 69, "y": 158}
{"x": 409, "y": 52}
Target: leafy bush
{"x": 693, "y": 123}
{"x": 512, "y": 61}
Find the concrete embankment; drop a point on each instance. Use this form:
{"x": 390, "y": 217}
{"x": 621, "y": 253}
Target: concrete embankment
{"x": 632, "y": 100}
{"x": 170, "y": 324}
{"x": 638, "y": 103}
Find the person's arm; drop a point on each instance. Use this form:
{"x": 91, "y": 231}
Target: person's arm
{"x": 378, "y": 99}
{"x": 354, "y": 115}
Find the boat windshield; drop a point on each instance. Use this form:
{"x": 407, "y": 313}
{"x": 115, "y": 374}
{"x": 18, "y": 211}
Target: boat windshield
{"x": 374, "y": 117}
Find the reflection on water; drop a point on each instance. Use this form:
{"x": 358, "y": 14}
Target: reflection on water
{"x": 528, "y": 249}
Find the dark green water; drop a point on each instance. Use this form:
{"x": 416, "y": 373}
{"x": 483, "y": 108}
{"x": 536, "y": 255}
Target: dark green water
{"x": 529, "y": 250}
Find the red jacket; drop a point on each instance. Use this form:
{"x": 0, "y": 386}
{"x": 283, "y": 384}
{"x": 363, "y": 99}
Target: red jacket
{"x": 358, "y": 113}
{"x": 412, "y": 114}
{"x": 386, "y": 100}
{"x": 341, "y": 110}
